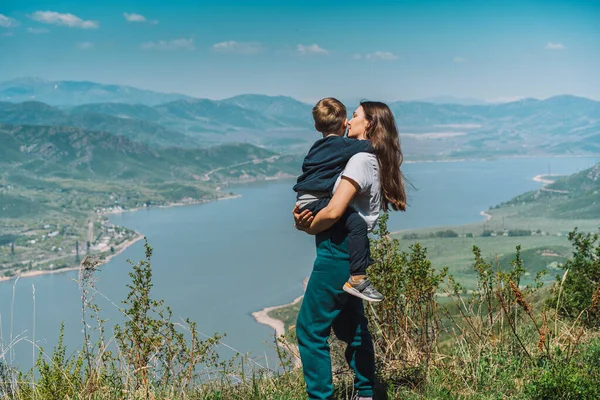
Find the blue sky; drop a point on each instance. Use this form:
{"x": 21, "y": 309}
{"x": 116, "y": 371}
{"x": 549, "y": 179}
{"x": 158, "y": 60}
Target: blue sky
{"x": 310, "y": 49}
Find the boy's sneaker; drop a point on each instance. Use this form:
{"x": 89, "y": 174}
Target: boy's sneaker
{"x": 362, "y": 289}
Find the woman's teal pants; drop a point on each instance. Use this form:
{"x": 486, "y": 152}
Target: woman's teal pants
{"x": 326, "y": 306}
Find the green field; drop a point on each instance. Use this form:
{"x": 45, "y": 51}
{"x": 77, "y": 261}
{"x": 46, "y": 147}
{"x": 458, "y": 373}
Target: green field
{"x": 547, "y": 245}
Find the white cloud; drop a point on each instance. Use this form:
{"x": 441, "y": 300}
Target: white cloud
{"x": 459, "y": 59}
{"x": 8, "y": 22}
{"x": 170, "y": 44}
{"x": 134, "y": 17}
{"x": 70, "y": 20}
{"x": 382, "y": 55}
{"x": 356, "y": 56}
{"x": 233, "y": 47}
{"x": 85, "y": 45}
{"x": 554, "y": 46}
{"x": 7, "y": 34}
{"x": 38, "y": 31}
{"x": 311, "y": 49}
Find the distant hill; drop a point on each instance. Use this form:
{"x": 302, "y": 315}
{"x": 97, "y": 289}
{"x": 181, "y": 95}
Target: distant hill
{"x": 574, "y": 197}
{"x": 70, "y": 93}
{"x": 75, "y": 153}
{"x": 283, "y": 108}
{"x": 151, "y": 133}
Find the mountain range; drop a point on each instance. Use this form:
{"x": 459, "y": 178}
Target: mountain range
{"x": 560, "y": 125}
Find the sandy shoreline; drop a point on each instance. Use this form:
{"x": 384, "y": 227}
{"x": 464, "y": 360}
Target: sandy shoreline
{"x": 486, "y": 215}
{"x": 125, "y": 245}
{"x": 542, "y": 178}
{"x": 262, "y": 316}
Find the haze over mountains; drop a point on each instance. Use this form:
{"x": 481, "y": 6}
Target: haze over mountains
{"x": 71, "y": 93}
{"x": 559, "y": 125}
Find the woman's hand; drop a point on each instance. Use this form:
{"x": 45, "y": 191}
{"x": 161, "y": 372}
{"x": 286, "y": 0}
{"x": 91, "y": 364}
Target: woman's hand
{"x": 302, "y": 220}
{"x": 328, "y": 216}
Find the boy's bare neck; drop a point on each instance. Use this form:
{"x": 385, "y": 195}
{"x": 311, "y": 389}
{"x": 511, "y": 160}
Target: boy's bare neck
{"x": 326, "y": 135}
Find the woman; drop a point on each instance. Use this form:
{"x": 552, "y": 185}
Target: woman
{"x": 369, "y": 183}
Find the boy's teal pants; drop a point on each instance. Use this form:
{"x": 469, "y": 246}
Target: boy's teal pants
{"x": 327, "y": 306}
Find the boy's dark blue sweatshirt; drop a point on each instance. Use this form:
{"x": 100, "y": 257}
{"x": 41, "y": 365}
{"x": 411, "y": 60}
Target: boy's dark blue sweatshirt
{"x": 325, "y": 161}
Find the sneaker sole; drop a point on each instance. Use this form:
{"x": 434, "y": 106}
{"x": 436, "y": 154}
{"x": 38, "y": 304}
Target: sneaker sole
{"x": 350, "y": 290}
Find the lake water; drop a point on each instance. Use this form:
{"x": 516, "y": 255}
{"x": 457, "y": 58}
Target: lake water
{"x": 218, "y": 262}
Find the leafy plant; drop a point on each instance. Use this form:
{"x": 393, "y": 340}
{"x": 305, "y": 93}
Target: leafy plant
{"x": 577, "y": 293}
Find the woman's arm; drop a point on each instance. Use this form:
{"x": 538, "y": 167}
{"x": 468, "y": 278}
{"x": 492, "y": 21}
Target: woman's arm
{"x": 328, "y": 216}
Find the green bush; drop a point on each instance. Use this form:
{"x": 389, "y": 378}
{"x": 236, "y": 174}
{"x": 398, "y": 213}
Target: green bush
{"x": 407, "y": 322}
{"x": 563, "y": 379}
{"x": 519, "y": 232}
{"x": 7, "y": 239}
{"x": 578, "y": 289}
{"x": 411, "y": 236}
{"x": 446, "y": 234}
{"x": 60, "y": 377}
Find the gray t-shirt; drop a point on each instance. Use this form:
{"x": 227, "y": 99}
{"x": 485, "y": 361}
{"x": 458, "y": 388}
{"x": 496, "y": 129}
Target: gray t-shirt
{"x": 363, "y": 169}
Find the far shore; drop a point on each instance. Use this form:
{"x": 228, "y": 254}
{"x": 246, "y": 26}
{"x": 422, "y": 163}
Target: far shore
{"x": 120, "y": 248}
{"x": 30, "y": 274}
{"x": 170, "y": 205}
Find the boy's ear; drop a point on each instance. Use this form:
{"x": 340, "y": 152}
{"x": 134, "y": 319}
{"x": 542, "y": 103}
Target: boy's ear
{"x": 345, "y": 123}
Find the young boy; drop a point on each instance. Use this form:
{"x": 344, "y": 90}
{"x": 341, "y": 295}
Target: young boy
{"x": 322, "y": 165}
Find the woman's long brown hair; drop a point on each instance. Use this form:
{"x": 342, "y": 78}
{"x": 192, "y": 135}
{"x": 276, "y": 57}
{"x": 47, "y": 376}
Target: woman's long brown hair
{"x": 383, "y": 134}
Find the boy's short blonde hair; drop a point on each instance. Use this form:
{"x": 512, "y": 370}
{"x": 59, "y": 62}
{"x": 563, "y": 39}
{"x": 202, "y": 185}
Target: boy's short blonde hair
{"x": 329, "y": 115}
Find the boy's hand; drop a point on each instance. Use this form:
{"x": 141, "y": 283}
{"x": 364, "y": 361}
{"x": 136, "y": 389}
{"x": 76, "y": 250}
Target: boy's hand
{"x": 302, "y": 220}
